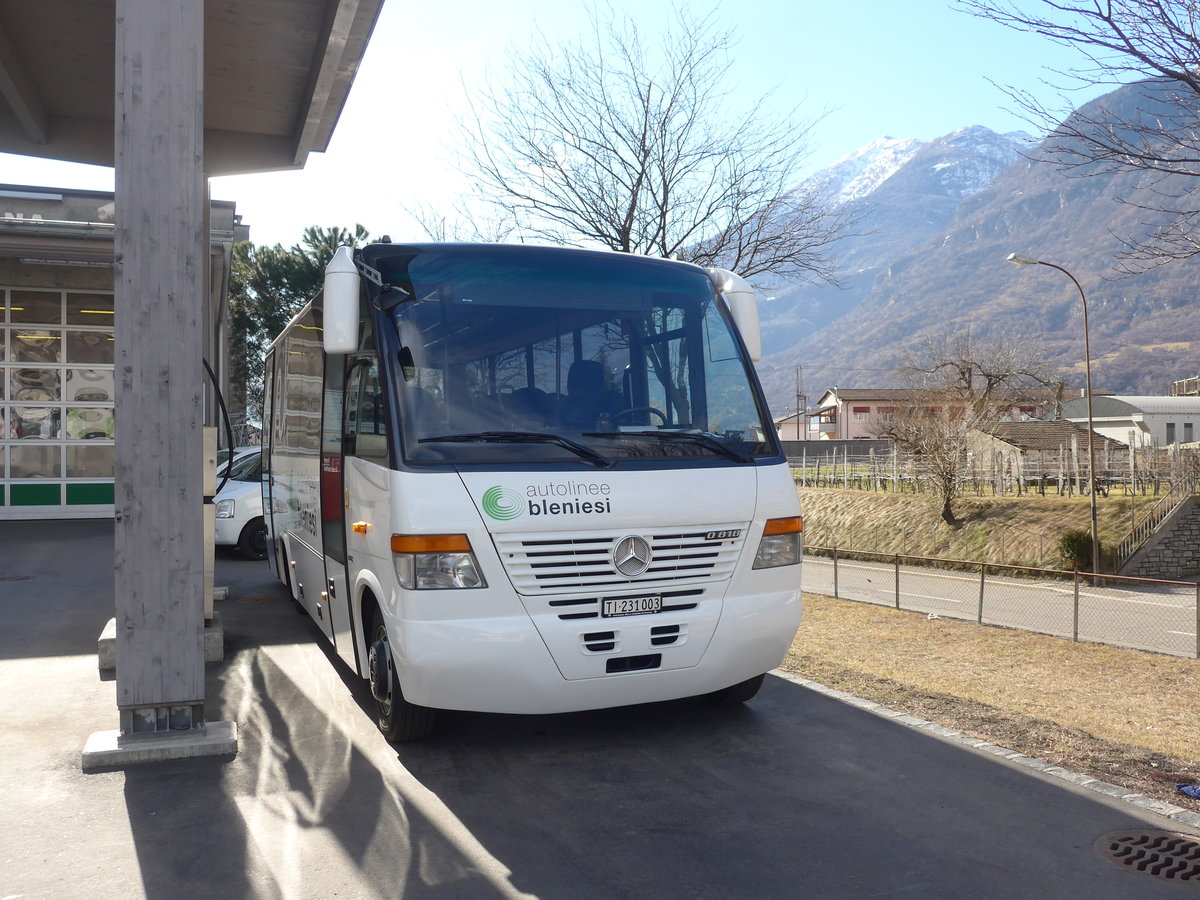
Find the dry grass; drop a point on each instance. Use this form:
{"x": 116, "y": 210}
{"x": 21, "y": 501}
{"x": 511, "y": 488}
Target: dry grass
{"x": 1123, "y": 716}
{"x": 1013, "y": 530}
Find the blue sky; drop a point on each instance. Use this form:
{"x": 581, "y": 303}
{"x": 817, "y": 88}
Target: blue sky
{"x": 872, "y": 67}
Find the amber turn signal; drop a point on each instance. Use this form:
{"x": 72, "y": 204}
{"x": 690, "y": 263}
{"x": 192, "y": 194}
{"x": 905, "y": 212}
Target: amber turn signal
{"x": 430, "y": 543}
{"x": 790, "y": 525}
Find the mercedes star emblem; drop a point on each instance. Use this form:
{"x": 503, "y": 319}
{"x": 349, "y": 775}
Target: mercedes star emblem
{"x": 632, "y": 556}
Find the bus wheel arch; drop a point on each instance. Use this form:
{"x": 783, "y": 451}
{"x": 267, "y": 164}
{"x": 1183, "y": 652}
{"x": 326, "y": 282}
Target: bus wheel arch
{"x": 368, "y": 608}
{"x": 398, "y": 720}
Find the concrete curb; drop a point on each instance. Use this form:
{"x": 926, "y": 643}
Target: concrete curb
{"x": 1175, "y": 813}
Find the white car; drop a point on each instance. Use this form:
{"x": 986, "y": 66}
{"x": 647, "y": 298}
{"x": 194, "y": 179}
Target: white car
{"x": 239, "y": 508}
{"x": 238, "y": 453}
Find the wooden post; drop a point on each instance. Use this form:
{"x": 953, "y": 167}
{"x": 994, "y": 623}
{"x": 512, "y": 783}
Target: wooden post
{"x": 161, "y": 262}
{"x": 1076, "y": 467}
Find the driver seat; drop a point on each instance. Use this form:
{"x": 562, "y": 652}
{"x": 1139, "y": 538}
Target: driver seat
{"x": 587, "y": 397}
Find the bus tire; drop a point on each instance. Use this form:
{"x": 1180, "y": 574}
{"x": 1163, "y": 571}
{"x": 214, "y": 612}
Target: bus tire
{"x": 737, "y": 693}
{"x": 400, "y": 722}
{"x": 252, "y": 542}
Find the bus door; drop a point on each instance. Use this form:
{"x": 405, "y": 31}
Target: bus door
{"x": 335, "y": 598}
{"x": 297, "y": 454}
{"x": 365, "y": 476}
{"x": 274, "y": 545}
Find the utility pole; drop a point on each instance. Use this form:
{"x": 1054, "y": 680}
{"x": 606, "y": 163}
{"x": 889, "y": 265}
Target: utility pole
{"x": 801, "y": 406}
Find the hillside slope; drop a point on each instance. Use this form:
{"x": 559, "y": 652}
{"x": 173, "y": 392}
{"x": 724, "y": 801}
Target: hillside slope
{"x": 1011, "y": 530}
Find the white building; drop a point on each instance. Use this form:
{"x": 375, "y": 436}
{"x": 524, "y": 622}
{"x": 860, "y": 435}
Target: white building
{"x": 1140, "y": 421}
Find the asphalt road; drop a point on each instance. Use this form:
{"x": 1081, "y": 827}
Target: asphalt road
{"x": 1146, "y": 617}
{"x": 795, "y": 795}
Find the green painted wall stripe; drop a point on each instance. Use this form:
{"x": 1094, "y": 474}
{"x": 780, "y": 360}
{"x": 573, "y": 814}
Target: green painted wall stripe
{"x": 35, "y": 494}
{"x": 90, "y": 494}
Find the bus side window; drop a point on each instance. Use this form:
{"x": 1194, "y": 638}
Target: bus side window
{"x": 366, "y": 417}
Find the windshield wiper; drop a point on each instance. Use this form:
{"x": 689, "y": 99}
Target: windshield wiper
{"x": 524, "y": 437}
{"x": 696, "y": 437}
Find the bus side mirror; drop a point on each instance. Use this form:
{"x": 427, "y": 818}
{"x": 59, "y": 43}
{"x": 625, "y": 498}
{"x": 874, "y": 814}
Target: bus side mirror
{"x": 743, "y": 306}
{"x": 341, "y": 290}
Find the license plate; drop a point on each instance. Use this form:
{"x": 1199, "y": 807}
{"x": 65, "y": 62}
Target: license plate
{"x": 630, "y": 606}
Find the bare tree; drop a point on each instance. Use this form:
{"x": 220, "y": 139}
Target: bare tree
{"x": 462, "y": 223}
{"x": 956, "y": 385}
{"x": 590, "y": 142}
{"x": 1152, "y": 127}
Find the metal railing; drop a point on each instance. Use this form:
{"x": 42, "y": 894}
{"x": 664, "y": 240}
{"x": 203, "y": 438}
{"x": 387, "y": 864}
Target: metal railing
{"x": 1151, "y": 519}
{"x": 1138, "y": 613}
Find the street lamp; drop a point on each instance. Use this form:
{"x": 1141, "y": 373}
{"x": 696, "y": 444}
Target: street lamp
{"x": 1019, "y": 260}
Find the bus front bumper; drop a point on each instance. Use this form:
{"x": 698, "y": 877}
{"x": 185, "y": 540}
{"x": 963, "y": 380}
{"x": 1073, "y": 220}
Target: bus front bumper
{"x": 503, "y": 665}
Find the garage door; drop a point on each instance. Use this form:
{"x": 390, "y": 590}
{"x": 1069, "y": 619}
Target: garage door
{"x": 56, "y": 404}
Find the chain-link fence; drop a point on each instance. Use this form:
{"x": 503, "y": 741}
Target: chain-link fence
{"x": 1141, "y": 613}
{"x": 1146, "y": 472}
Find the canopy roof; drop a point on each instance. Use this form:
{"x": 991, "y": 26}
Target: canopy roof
{"x": 1126, "y": 406}
{"x": 276, "y": 75}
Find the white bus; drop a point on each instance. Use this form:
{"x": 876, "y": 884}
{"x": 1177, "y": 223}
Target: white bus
{"x": 524, "y": 479}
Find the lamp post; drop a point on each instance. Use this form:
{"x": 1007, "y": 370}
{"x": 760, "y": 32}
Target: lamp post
{"x": 1019, "y": 260}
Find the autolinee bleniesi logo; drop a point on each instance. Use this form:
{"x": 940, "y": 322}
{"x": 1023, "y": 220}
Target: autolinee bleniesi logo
{"x": 551, "y": 498}
{"x": 501, "y": 504}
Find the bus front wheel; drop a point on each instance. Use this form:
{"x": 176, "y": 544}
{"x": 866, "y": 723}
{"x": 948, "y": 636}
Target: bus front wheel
{"x": 399, "y": 720}
{"x": 737, "y": 693}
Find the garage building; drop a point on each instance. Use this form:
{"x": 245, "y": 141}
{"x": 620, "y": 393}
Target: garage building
{"x": 57, "y": 423}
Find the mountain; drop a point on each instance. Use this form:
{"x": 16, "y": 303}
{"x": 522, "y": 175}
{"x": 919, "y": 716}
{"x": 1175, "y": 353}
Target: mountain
{"x": 856, "y": 176}
{"x": 933, "y": 261}
{"x": 904, "y": 192}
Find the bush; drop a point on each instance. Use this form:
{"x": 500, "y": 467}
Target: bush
{"x": 1075, "y": 548}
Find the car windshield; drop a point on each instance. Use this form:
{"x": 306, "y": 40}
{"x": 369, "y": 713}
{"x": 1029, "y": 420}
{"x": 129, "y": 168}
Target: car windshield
{"x": 536, "y": 355}
{"x": 248, "y": 468}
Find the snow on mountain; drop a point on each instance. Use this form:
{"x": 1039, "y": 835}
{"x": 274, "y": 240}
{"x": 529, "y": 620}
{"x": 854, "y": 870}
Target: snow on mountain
{"x": 965, "y": 161}
{"x": 857, "y": 174}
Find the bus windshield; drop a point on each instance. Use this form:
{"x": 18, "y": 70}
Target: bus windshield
{"x": 519, "y": 355}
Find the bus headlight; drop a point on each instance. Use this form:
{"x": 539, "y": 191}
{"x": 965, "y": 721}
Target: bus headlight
{"x": 435, "y": 562}
{"x": 782, "y": 543}
{"x": 225, "y": 509}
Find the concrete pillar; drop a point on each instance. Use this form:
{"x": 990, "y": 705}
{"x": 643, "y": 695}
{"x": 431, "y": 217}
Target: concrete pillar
{"x": 161, "y": 265}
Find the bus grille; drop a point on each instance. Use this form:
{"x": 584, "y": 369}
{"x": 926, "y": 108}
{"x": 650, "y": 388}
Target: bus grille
{"x": 543, "y": 563}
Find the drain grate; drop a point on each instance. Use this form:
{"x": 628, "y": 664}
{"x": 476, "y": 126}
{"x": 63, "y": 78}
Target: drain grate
{"x": 1164, "y": 854}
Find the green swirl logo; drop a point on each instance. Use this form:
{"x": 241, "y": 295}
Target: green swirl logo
{"x": 501, "y": 504}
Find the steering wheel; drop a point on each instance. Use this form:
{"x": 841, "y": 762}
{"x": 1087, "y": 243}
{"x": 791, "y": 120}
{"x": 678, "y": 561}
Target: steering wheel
{"x": 638, "y": 409}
